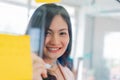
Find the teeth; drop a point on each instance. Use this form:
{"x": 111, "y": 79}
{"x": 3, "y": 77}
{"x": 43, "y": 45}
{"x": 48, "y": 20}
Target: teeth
{"x": 53, "y": 48}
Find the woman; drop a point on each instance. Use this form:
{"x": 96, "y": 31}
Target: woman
{"x": 55, "y": 23}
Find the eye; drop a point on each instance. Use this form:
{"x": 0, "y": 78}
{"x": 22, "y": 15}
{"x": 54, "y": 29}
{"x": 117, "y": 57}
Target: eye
{"x": 63, "y": 33}
{"x": 48, "y": 33}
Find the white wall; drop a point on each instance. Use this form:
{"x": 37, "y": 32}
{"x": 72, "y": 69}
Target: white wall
{"x": 102, "y": 25}
{"x": 96, "y": 28}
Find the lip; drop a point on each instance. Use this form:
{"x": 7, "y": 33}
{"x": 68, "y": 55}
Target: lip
{"x": 53, "y": 49}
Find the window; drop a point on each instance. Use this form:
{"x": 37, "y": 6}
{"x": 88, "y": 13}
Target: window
{"x": 112, "y": 46}
{"x": 112, "y": 54}
{"x": 13, "y": 19}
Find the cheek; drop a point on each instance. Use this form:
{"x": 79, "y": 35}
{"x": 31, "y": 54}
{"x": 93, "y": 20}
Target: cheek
{"x": 46, "y": 41}
{"x": 66, "y": 42}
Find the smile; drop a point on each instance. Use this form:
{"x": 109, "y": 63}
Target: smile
{"x": 53, "y": 50}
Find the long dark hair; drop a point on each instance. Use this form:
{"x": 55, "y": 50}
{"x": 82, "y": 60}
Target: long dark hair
{"x": 51, "y": 10}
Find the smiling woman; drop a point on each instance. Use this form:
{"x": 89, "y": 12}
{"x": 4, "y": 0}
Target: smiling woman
{"x": 55, "y": 39}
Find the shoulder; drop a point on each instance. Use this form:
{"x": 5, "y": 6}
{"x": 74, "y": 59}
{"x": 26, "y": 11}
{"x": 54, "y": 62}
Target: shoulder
{"x": 68, "y": 73}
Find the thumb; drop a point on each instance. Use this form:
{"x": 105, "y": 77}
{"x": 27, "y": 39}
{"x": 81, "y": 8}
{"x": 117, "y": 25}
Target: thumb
{"x": 44, "y": 74}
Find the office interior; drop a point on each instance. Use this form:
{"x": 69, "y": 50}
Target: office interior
{"x": 96, "y": 33}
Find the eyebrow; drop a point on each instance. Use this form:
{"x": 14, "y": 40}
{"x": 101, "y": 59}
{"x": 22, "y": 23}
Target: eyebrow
{"x": 63, "y": 29}
{"x": 59, "y": 30}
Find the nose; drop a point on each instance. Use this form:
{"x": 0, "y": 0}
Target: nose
{"x": 55, "y": 40}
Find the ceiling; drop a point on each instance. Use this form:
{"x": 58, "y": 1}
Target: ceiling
{"x": 104, "y": 6}
{"x": 108, "y": 8}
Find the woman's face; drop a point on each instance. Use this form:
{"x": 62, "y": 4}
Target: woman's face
{"x": 57, "y": 38}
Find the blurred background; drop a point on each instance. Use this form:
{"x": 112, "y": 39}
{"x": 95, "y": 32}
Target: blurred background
{"x": 96, "y": 33}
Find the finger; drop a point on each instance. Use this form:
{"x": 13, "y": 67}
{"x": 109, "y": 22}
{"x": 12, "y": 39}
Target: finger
{"x": 37, "y": 66}
{"x": 44, "y": 74}
{"x": 39, "y": 72}
{"x": 37, "y": 76}
{"x": 36, "y": 59}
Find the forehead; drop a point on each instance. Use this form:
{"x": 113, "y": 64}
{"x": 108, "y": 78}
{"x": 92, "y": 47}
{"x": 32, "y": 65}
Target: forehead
{"x": 58, "y": 23}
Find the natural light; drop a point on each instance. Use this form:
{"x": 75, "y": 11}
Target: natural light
{"x": 112, "y": 46}
{"x": 13, "y": 19}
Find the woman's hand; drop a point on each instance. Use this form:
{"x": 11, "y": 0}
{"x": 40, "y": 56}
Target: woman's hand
{"x": 39, "y": 70}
